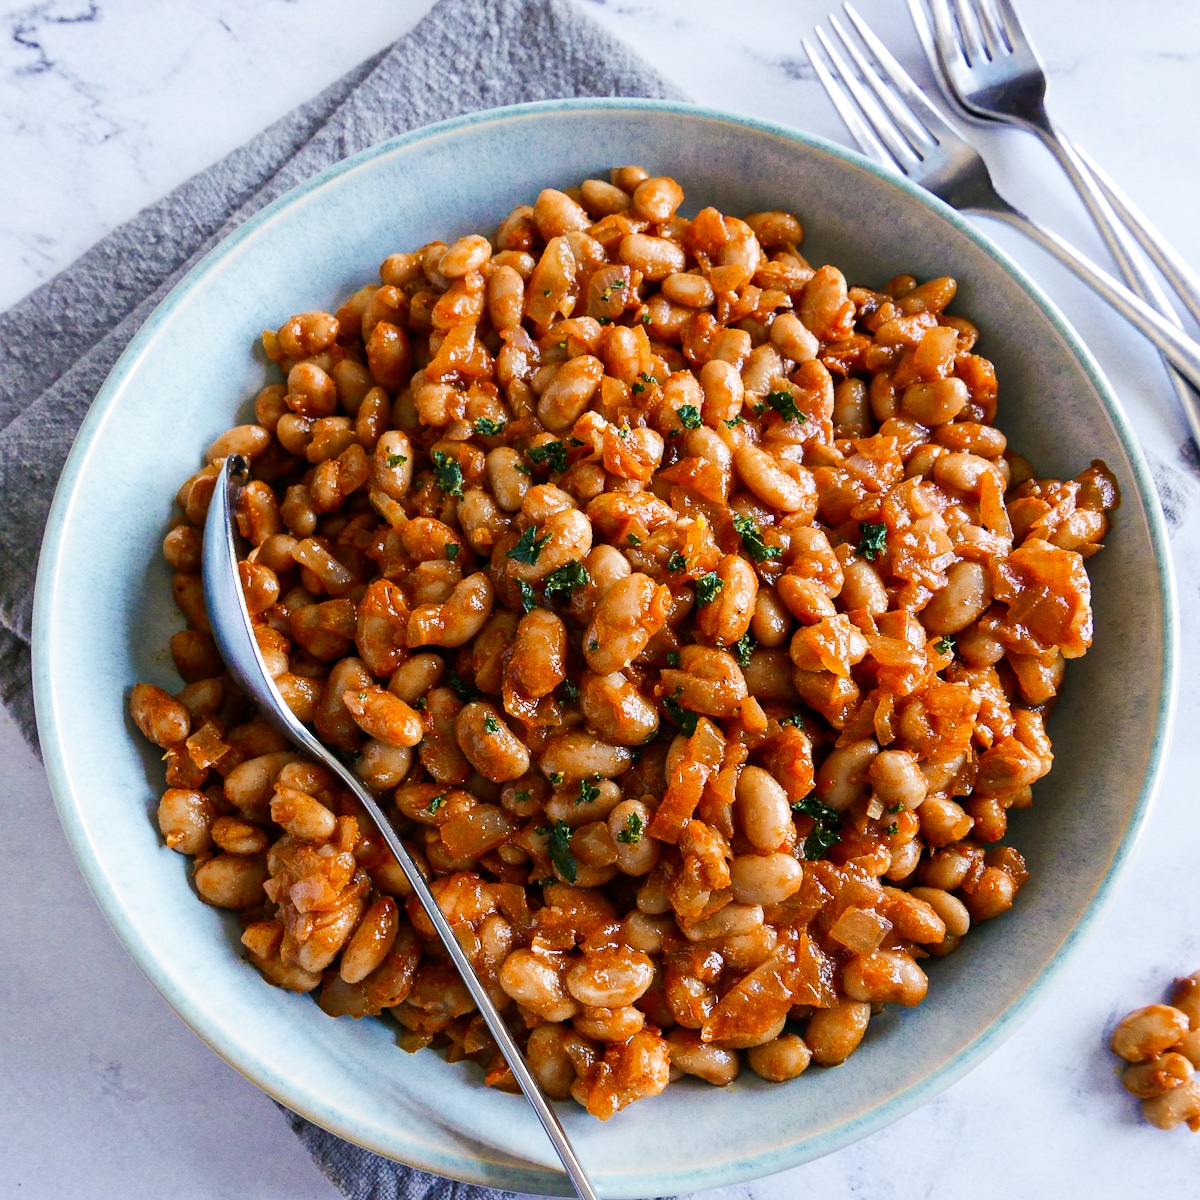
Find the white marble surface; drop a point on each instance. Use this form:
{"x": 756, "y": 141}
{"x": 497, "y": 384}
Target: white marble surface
{"x": 105, "y": 106}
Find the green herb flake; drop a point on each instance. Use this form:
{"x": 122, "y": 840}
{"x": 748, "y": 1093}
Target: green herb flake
{"x": 734, "y": 422}
{"x": 355, "y": 756}
{"x": 708, "y": 587}
{"x": 824, "y": 833}
{"x": 522, "y": 468}
{"x": 683, "y": 717}
{"x": 487, "y": 427}
{"x": 795, "y": 720}
{"x": 645, "y": 318}
{"x": 594, "y": 644}
{"x": 944, "y": 645}
{"x": 528, "y": 547}
{"x": 632, "y": 832}
{"x": 523, "y": 796}
{"x": 633, "y": 539}
{"x": 463, "y": 690}
{"x": 420, "y": 704}
{"x": 676, "y": 563}
{"x": 758, "y": 409}
{"x": 546, "y": 292}
{"x": 784, "y": 403}
{"x": 892, "y": 829}
{"x": 528, "y": 597}
{"x": 555, "y": 777}
{"x": 604, "y": 320}
{"x": 567, "y": 578}
{"x": 549, "y": 454}
{"x": 452, "y": 549}
{"x": 362, "y": 696}
{"x": 570, "y": 690}
{"x": 435, "y": 804}
{"x": 396, "y": 460}
{"x": 447, "y": 473}
{"x": 894, "y": 808}
{"x": 672, "y": 658}
{"x": 637, "y": 388}
{"x": 874, "y": 539}
{"x": 752, "y": 540}
{"x": 588, "y": 791}
{"x": 491, "y": 725}
{"x": 560, "y": 851}
{"x": 690, "y": 417}
{"x": 743, "y": 648}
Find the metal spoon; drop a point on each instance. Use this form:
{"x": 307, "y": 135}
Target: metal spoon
{"x": 235, "y": 639}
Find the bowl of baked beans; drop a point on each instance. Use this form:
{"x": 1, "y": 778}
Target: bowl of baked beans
{"x": 732, "y": 575}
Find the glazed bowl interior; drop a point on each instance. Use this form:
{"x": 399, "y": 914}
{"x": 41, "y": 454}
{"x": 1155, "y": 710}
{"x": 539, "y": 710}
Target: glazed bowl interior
{"x": 104, "y": 616}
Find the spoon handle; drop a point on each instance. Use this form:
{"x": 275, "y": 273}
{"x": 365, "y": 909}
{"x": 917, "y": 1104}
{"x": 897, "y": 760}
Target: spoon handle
{"x": 235, "y": 639}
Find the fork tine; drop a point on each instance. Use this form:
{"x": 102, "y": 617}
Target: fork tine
{"x": 948, "y": 35}
{"x": 934, "y": 122}
{"x": 862, "y": 133}
{"x": 897, "y": 145}
{"x": 1010, "y": 23}
{"x": 968, "y": 27}
{"x": 916, "y": 133}
{"x": 993, "y": 29}
{"x": 925, "y": 35}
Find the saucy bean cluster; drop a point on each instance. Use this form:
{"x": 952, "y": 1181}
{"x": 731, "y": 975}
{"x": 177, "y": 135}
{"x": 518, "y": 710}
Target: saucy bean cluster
{"x": 685, "y": 604}
{"x": 1161, "y": 1042}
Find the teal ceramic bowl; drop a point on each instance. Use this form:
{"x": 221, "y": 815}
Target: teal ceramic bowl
{"x": 104, "y": 616}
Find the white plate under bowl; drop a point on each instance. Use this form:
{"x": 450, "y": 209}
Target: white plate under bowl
{"x": 104, "y": 615}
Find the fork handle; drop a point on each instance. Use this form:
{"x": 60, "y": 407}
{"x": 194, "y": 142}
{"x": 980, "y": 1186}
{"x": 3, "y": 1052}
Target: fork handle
{"x": 1176, "y": 270}
{"x": 1170, "y": 339}
{"x": 1084, "y": 175}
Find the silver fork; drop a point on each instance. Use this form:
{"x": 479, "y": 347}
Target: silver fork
{"x": 990, "y": 72}
{"x": 994, "y": 73}
{"x": 897, "y": 126}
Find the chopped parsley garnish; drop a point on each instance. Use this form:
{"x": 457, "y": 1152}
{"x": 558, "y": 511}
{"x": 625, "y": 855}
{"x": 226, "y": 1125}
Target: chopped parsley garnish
{"x": 672, "y": 658}
{"x": 795, "y": 719}
{"x": 451, "y": 550}
{"x": 758, "y": 409}
{"x": 463, "y": 690}
{"x": 944, "y": 644}
{"x": 435, "y": 804}
{"x": 784, "y": 403}
{"x": 560, "y": 850}
{"x": 588, "y": 791}
{"x": 355, "y": 756}
{"x": 824, "y": 833}
{"x": 708, "y": 587}
{"x": 604, "y": 320}
{"x": 607, "y": 294}
{"x": 528, "y": 597}
{"x": 550, "y": 454}
{"x": 743, "y": 648}
{"x": 594, "y": 644}
{"x": 528, "y": 546}
{"x": 491, "y": 725}
{"x": 447, "y": 473}
{"x": 676, "y": 563}
{"x": 683, "y": 717}
{"x": 892, "y": 829}
{"x": 555, "y": 777}
{"x": 420, "y": 704}
{"x": 546, "y": 292}
{"x": 567, "y": 578}
{"x": 487, "y": 427}
{"x": 638, "y": 388}
{"x": 645, "y": 318}
{"x": 752, "y": 541}
{"x": 632, "y": 832}
{"x": 522, "y": 468}
{"x": 895, "y": 808}
{"x": 396, "y": 460}
{"x": 362, "y": 696}
{"x": 874, "y": 539}
{"x": 523, "y": 796}
{"x": 633, "y": 539}
{"x": 569, "y": 689}
{"x": 689, "y": 416}
{"x": 734, "y": 422}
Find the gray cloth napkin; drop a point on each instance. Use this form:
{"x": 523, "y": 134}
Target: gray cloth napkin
{"x": 58, "y": 345}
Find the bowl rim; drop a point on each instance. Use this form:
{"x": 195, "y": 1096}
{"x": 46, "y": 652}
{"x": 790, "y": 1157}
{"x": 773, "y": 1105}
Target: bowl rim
{"x": 468, "y": 1167}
